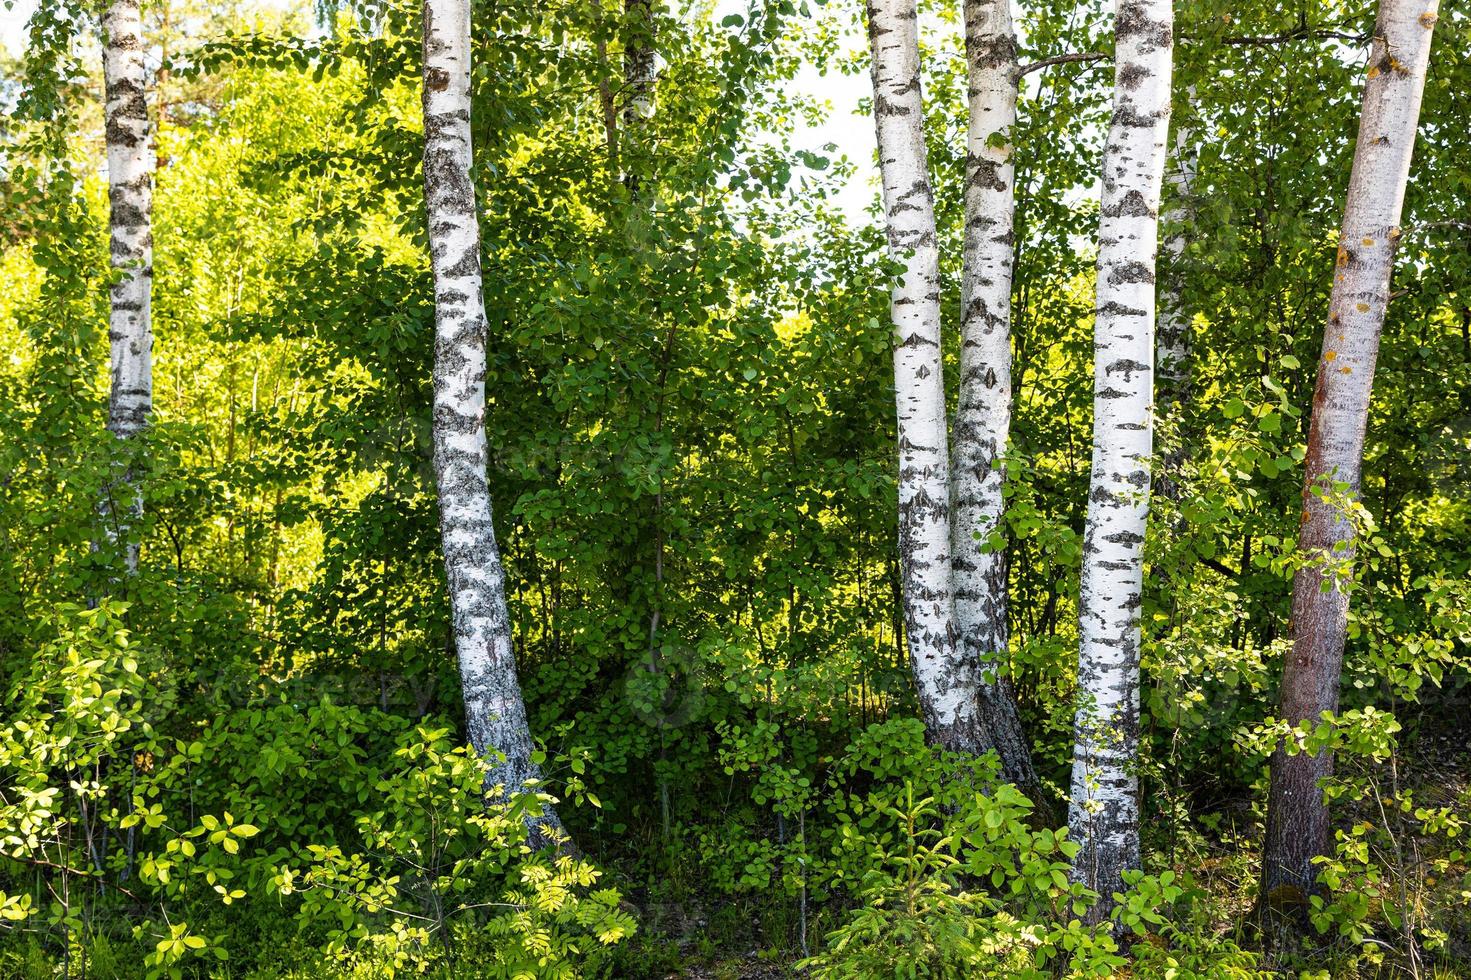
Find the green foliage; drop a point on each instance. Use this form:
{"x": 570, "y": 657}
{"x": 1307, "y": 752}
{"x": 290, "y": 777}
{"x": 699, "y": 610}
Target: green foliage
{"x": 94, "y": 798}
{"x": 914, "y": 920}
{"x": 72, "y": 722}
{"x": 963, "y": 885}
{"x": 434, "y": 860}
{"x": 245, "y": 760}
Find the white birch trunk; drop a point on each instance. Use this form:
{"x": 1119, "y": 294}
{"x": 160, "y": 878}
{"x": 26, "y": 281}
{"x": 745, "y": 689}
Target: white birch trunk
{"x": 640, "y": 61}
{"x": 1172, "y": 358}
{"x": 947, "y": 687}
{"x": 495, "y": 716}
{"x": 1297, "y": 816}
{"x": 1104, "y": 813}
{"x": 640, "y": 82}
{"x": 130, "y": 165}
{"x": 983, "y": 412}
{"x": 1172, "y": 368}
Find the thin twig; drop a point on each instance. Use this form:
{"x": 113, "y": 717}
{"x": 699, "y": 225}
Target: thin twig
{"x": 1429, "y": 225}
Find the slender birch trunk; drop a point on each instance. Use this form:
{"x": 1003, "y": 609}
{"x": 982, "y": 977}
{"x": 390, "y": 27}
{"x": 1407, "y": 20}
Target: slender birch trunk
{"x": 983, "y": 413}
{"x": 1172, "y": 367}
{"x": 640, "y": 78}
{"x": 1104, "y": 812}
{"x": 1297, "y": 816}
{"x": 130, "y": 166}
{"x": 948, "y": 687}
{"x": 495, "y": 716}
{"x": 640, "y": 61}
{"x": 1172, "y": 358}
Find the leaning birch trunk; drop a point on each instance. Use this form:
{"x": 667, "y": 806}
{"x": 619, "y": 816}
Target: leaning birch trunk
{"x": 947, "y": 686}
{"x": 1104, "y": 813}
{"x": 495, "y": 716}
{"x": 983, "y": 412}
{"x": 130, "y": 164}
{"x": 1297, "y": 816}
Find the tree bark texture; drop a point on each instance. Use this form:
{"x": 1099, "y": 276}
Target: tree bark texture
{"x": 983, "y": 412}
{"x": 1104, "y": 811}
{"x": 948, "y": 687}
{"x": 495, "y": 716}
{"x": 130, "y": 166}
{"x": 1172, "y": 359}
{"x": 1297, "y": 816}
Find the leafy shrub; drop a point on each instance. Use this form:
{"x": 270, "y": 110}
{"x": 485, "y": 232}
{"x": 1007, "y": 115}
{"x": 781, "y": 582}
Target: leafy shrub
{"x": 437, "y": 869}
{"x": 374, "y": 838}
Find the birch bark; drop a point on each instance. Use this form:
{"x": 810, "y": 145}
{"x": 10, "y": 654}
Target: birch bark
{"x": 495, "y": 716}
{"x": 1172, "y": 367}
{"x": 130, "y": 166}
{"x": 1104, "y": 813}
{"x": 983, "y": 412}
{"x": 1172, "y": 359}
{"x": 640, "y": 61}
{"x": 640, "y": 78}
{"x": 1297, "y": 816}
{"x": 948, "y": 688}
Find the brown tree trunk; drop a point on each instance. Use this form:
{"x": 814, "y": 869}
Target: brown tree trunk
{"x": 1297, "y": 816}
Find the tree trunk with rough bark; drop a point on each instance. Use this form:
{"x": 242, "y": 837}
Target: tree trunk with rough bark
{"x": 495, "y": 716}
{"x": 948, "y": 687}
{"x": 130, "y": 166}
{"x": 983, "y": 412}
{"x": 1297, "y": 816}
{"x": 1104, "y": 813}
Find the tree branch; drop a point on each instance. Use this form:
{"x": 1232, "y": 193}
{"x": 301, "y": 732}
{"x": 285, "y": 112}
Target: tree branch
{"x": 1300, "y": 34}
{"x": 1216, "y": 566}
{"x": 1061, "y": 59}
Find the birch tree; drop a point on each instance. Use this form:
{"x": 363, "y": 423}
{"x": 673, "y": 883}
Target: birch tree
{"x": 983, "y": 412}
{"x": 640, "y": 62}
{"x": 948, "y": 687}
{"x": 1104, "y": 812}
{"x": 640, "y": 77}
{"x": 495, "y": 716}
{"x": 1172, "y": 359}
{"x": 130, "y": 165}
{"x": 1173, "y": 342}
{"x": 1297, "y": 815}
